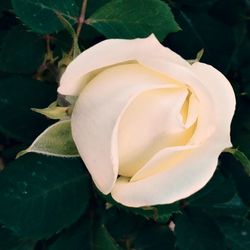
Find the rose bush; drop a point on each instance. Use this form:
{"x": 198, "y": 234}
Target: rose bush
{"x": 148, "y": 125}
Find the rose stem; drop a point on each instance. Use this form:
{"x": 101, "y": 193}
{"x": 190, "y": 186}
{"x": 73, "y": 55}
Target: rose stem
{"x": 81, "y": 18}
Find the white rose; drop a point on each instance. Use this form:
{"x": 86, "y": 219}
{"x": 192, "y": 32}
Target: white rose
{"x": 148, "y": 125}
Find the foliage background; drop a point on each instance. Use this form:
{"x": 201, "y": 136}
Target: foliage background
{"x": 50, "y": 203}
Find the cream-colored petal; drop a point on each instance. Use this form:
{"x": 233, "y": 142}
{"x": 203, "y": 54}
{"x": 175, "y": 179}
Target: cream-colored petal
{"x": 149, "y": 124}
{"x": 223, "y": 98}
{"x": 192, "y": 170}
{"x": 205, "y": 123}
{"x": 97, "y": 112}
{"x": 189, "y": 170}
{"x": 110, "y": 52}
{"x": 165, "y": 158}
{"x": 190, "y": 111}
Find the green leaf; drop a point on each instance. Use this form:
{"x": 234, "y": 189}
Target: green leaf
{"x": 42, "y": 195}
{"x": 239, "y": 175}
{"x": 154, "y": 237}
{"x": 71, "y": 31}
{"x": 9, "y": 241}
{"x": 56, "y": 141}
{"x": 4, "y": 5}
{"x": 21, "y": 51}
{"x": 133, "y": 19}
{"x": 76, "y": 237}
{"x": 39, "y": 15}
{"x": 92, "y": 6}
{"x": 218, "y": 190}
{"x": 103, "y": 240}
{"x": 196, "y": 230}
{"x": 160, "y": 213}
{"x": 233, "y": 207}
{"x": 236, "y": 231}
{"x": 198, "y": 32}
{"x": 17, "y": 96}
{"x": 241, "y": 157}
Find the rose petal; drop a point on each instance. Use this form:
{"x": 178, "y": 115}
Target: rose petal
{"x": 97, "y": 113}
{"x": 223, "y": 97}
{"x": 188, "y": 170}
{"x": 110, "y": 52}
{"x": 205, "y": 122}
{"x": 190, "y": 111}
{"x": 149, "y": 124}
{"x": 191, "y": 172}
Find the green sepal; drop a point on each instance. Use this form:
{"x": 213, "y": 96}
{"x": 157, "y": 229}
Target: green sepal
{"x": 54, "y": 141}
{"x": 54, "y": 112}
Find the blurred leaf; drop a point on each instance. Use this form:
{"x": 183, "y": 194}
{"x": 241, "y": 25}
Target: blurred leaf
{"x": 5, "y": 4}
{"x": 122, "y": 225}
{"x": 194, "y": 3}
{"x": 42, "y": 195}
{"x": 155, "y": 237}
{"x": 240, "y": 131}
{"x": 195, "y": 230}
{"x": 77, "y": 237}
{"x": 9, "y": 241}
{"x": 230, "y": 11}
{"x": 21, "y": 51}
{"x": 218, "y": 190}
{"x": 241, "y": 179}
{"x": 236, "y": 231}
{"x": 39, "y": 15}
{"x": 17, "y": 96}
{"x": 160, "y": 213}
{"x": 54, "y": 141}
{"x": 103, "y": 240}
{"x": 133, "y": 19}
{"x": 241, "y": 157}
{"x": 201, "y": 31}
{"x": 234, "y": 207}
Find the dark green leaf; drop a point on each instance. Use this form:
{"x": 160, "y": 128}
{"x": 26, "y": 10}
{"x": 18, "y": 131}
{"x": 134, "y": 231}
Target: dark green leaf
{"x": 9, "y": 241}
{"x": 155, "y": 237}
{"x": 42, "y": 195}
{"x": 4, "y": 5}
{"x": 234, "y": 207}
{"x": 218, "y": 190}
{"x": 77, "y": 237}
{"x": 195, "y": 230}
{"x": 241, "y": 157}
{"x": 160, "y": 213}
{"x": 241, "y": 179}
{"x": 199, "y": 31}
{"x": 103, "y": 240}
{"x": 39, "y": 15}
{"x": 21, "y": 51}
{"x": 236, "y": 231}
{"x": 133, "y": 19}
{"x": 93, "y": 5}
{"x": 230, "y": 11}
{"x": 17, "y": 96}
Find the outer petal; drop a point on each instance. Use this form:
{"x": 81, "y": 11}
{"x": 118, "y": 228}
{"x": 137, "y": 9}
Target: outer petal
{"x": 192, "y": 169}
{"x": 109, "y": 52}
{"x": 97, "y": 113}
{"x": 190, "y": 173}
{"x": 223, "y": 97}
